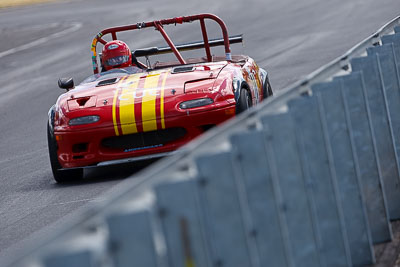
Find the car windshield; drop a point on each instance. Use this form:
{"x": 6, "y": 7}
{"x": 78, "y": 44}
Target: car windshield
{"x": 113, "y": 73}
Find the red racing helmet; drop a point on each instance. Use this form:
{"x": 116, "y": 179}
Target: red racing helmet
{"x": 116, "y": 54}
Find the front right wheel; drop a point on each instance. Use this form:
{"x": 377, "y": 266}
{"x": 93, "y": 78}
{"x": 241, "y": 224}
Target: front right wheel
{"x": 61, "y": 176}
{"x": 244, "y": 102}
{"x": 267, "y": 89}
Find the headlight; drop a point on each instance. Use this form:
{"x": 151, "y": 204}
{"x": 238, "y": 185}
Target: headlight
{"x": 196, "y": 103}
{"x": 84, "y": 120}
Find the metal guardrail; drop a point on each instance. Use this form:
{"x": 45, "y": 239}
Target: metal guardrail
{"x": 309, "y": 178}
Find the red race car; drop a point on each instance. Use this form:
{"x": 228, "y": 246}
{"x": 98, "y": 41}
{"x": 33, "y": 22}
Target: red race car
{"x": 129, "y": 111}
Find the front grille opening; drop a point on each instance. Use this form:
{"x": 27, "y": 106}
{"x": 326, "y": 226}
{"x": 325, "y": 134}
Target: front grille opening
{"x": 77, "y": 157}
{"x": 79, "y": 148}
{"x": 145, "y": 139}
{"x": 82, "y": 101}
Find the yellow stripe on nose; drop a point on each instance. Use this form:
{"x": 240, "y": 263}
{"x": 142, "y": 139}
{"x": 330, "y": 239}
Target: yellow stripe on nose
{"x": 114, "y": 112}
{"x": 162, "y": 100}
{"x": 127, "y": 105}
{"x": 150, "y": 93}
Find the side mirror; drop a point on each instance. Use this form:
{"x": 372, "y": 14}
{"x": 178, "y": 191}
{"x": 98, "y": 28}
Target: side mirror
{"x": 66, "y": 83}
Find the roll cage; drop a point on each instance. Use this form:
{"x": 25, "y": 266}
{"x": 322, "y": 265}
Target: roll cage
{"x": 158, "y": 25}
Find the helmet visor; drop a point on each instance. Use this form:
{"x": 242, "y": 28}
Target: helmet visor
{"x": 115, "y": 61}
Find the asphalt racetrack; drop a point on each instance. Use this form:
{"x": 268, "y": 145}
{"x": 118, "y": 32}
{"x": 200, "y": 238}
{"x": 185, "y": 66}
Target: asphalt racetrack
{"x": 43, "y": 42}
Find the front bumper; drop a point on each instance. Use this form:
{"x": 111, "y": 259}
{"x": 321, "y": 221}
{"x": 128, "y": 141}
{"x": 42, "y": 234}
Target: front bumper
{"x": 127, "y": 160}
{"x": 84, "y": 148}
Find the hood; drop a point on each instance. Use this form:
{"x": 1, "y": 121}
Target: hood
{"x": 143, "y": 98}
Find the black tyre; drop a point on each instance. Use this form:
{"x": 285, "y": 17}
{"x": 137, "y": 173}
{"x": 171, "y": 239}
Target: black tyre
{"x": 267, "y": 89}
{"x": 61, "y": 176}
{"x": 244, "y": 101}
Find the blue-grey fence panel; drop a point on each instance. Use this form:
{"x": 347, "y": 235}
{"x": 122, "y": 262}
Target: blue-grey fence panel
{"x": 382, "y": 129}
{"x": 131, "y": 239}
{"x": 318, "y": 169}
{"x": 391, "y": 38}
{"x": 397, "y": 29}
{"x": 229, "y": 240}
{"x": 390, "y": 76}
{"x": 335, "y": 113}
{"x": 181, "y": 223}
{"x": 285, "y": 165}
{"x": 395, "y": 40}
{"x": 82, "y": 258}
{"x": 249, "y": 150}
{"x": 361, "y": 131}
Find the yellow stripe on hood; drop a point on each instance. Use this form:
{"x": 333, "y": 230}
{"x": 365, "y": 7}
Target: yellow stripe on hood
{"x": 150, "y": 94}
{"x": 162, "y": 100}
{"x": 127, "y": 105}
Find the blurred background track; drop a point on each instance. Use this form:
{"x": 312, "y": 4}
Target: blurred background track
{"x": 40, "y": 43}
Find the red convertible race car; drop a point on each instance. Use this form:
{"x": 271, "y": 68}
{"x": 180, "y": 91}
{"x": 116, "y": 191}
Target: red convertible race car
{"x": 129, "y": 111}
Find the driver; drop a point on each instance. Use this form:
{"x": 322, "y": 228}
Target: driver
{"x": 116, "y": 54}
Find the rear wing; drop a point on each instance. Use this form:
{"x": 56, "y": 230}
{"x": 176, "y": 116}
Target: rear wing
{"x": 158, "y": 25}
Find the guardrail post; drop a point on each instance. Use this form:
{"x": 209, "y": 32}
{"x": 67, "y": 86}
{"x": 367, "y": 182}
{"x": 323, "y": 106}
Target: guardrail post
{"x": 395, "y": 40}
{"x": 335, "y": 112}
{"x": 390, "y": 77}
{"x": 283, "y": 161}
{"x": 382, "y": 128}
{"x": 318, "y": 168}
{"x": 252, "y": 168}
{"x": 282, "y": 240}
{"x": 182, "y": 224}
{"x": 364, "y": 143}
{"x": 229, "y": 240}
{"x": 131, "y": 239}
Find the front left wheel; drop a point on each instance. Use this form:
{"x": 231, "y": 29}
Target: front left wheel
{"x": 61, "y": 176}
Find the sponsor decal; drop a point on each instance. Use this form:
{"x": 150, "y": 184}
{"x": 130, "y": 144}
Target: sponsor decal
{"x": 94, "y": 62}
{"x": 141, "y": 148}
{"x": 112, "y": 47}
{"x": 252, "y": 80}
{"x": 94, "y": 54}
